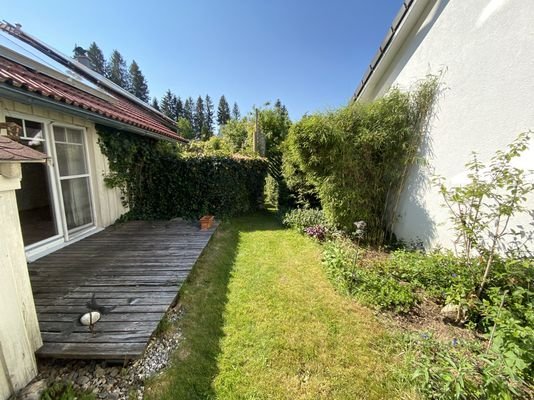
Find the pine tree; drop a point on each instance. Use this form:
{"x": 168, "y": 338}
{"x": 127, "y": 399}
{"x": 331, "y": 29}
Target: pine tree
{"x": 208, "y": 114}
{"x": 98, "y": 62}
{"x": 138, "y": 84}
{"x": 280, "y": 108}
{"x": 116, "y": 70}
{"x": 199, "y": 119}
{"x": 155, "y": 103}
{"x": 179, "y": 109}
{"x": 223, "y": 111}
{"x": 167, "y": 105}
{"x": 188, "y": 110}
{"x": 79, "y": 51}
{"x": 235, "y": 112}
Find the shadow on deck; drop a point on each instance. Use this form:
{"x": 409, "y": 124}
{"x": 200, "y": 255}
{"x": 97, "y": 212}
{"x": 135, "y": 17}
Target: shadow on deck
{"x": 136, "y": 267}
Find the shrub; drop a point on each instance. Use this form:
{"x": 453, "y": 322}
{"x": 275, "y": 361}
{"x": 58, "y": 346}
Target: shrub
{"x": 357, "y": 157}
{"x": 433, "y": 272}
{"x": 481, "y": 210}
{"x": 318, "y": 232}
{"x": 461, "y": 370}
{"x": 158, "y": 183}
{"x": 302, "y": 218}
{"x": 370, "y": 284}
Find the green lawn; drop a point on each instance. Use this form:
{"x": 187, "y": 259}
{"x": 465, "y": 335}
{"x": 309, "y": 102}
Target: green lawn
{"x": 263, "y": 322}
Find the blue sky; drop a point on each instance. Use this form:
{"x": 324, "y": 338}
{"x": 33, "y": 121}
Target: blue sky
{"x": 310, "y": 54}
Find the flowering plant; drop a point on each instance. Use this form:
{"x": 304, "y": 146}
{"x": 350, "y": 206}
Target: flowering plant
{"x": 316, "y": 231}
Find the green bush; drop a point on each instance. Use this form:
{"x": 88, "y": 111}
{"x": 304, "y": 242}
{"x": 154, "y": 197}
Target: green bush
{"x": 370, "y": 285}
{"x": 357, "y": 158}
{"x": 461, "y": 370}
{"x": 157, "y": 183}
{"x": 501, "y": 368}
{"x": 302, "y": 218}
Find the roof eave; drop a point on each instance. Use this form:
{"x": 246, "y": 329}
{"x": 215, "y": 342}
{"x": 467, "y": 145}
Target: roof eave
{"x": 403, "y": 23}
{"x": 32, "y": 98}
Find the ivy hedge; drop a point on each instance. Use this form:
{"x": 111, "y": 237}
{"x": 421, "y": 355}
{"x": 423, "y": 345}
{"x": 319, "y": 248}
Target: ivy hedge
{"x": 158, "y": 183}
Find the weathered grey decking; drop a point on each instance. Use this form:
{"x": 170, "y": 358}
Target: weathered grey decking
{"x": 137, "y": 267}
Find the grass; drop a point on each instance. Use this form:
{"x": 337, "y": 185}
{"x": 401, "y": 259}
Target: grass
{"x": 262, "y": 321}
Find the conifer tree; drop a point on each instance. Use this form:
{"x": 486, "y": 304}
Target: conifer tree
{"x": 208, "y": 115}
{"x": 116, "y": 70}
{"x": 188, "y": 110}
{"x": 167, "y": 105}
{"x": 98, "y": 62}
{"x": 138, "y": 84}
{"x": 179, "y": 109}
{"x": 223, "y": 112}
{"x": 155, "y": 103}
{"x": 236, "y": 114}
{"x": 199, "y": 119}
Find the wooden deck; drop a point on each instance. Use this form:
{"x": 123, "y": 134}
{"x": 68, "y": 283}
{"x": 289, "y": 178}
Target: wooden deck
{"x": 136, "y": 267}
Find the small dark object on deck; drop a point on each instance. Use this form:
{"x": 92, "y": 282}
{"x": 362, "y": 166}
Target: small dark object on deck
{"x": 92, "y": 305}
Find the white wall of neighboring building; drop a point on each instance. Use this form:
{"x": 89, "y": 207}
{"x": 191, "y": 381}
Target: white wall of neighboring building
{"x": 484, "y": 50}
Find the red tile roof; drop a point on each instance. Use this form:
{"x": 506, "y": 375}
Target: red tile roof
{"x": 119, "y": 109}
{"x": 14, "y": 151}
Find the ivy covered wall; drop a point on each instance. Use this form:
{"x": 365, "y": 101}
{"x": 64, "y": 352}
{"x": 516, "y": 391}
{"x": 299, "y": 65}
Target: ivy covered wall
{"x": 158, "y": 183}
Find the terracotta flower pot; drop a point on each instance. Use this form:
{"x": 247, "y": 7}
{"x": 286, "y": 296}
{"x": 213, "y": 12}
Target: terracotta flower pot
{"x": 206, "y": 222}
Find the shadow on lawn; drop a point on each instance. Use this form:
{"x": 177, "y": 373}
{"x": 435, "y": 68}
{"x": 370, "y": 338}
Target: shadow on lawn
{"x": 203, "y": 299}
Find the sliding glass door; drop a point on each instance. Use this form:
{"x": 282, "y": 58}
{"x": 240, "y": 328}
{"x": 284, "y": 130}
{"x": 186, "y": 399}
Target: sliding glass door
{"x": 73, "y": 178}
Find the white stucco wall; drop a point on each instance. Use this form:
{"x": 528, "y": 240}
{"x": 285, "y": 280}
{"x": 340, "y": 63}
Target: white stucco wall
{"x": 108, "y": 205}
{"x": 19, "y": 329}
{"x": 485, "y": 49}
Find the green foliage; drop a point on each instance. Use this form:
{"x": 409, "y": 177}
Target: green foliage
{"x": 185, "y": 129}
{"x": 274, "y": 124}
{"x": 236, "y": 114}
{"x": 199, "y": 120}
{"x": 215, "y": 146}
{"x": 168, "y": 104}
{"x": 223, "y": 111}
{"x": 235, "y": 133}
{"x": 503, "y": 368}
{"x": 158, "y": 183}
{"x": 302, "y": 193}
{"x": 358, "y": 156}
{"x": 271, "y": 191}
{"x": 116, "y": 70}
{"x": 208, "y": 114}
{"x": 482, "y": 208}
{"x": 461, "y": 370}
{"x": 371, "y": 286}
{"x": 65, "y": 391}
{"x": 302, "y": 218}
{"x": 98, "y": 62}
{"x": 138, "y": 84}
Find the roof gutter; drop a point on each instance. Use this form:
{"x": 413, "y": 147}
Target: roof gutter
{"x": 35, "y": 99}
{"x": 402, "y": 24}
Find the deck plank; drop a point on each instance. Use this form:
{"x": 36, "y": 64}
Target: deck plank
{"x": 138, "y": 267}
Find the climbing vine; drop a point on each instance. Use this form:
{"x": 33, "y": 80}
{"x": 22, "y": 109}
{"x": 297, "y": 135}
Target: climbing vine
{"x": 158, "y": 183}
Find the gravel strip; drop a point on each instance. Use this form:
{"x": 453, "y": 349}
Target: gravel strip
{"x": 112, "y": 381}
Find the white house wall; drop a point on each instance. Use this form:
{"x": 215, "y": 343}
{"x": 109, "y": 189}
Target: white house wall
{"x": 108, "y": 203}
{"x": 484, "y": 50}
